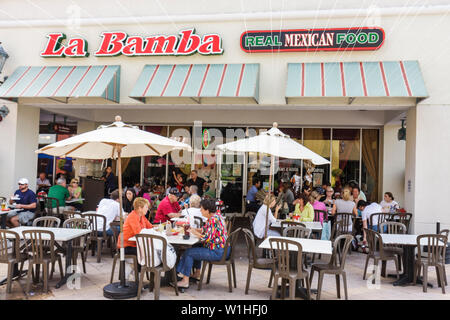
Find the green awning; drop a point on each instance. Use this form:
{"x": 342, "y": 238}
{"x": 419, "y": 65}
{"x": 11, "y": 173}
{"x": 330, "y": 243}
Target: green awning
{"x": 383, "y": 79}
{"x": 198, "y": 82}
{"x": 61, "y": 83}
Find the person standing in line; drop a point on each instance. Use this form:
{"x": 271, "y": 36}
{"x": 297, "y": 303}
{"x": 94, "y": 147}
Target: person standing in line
{"x": 296, "y": 181}
{"x": 199, "y": 182}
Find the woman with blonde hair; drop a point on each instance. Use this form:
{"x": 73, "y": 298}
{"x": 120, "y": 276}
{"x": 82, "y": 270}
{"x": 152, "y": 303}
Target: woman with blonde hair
{"x": 345, "y": 205}
{"x": 135, "y": 222}
{"x": 259, "y": 224}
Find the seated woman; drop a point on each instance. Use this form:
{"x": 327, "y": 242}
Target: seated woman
{"x": 192, "y": 209}
{"x": 345, "y": 205}
{"x": 135, "y": 222}
{"x": 317, "y": 205}
{"x": 128, "y": 201}
{"x": 259, "y": 224}
{"x": 303, "y": 208}
{"x": 388, "y": 204}
{"x": 213, "y": 236}
{"x": 75, "y": 193}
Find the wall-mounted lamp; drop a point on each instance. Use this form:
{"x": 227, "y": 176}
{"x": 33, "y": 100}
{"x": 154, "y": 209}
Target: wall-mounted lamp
{"x": 3, "y": 112}
{"x": 3, "y": 57}
{"x": 401, "y": 135}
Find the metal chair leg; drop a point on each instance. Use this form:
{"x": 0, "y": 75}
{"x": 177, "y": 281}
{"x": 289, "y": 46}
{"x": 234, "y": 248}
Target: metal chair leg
{"x": 344, "y": 280}
{"x": 338, "y": 286}
{"x": 233, "y": 268}
{"x": 209, "y": 272}
{"x": 141, "y": 280}
{"x": 230, "y": 285}
{"x": 274, "y": 288}
{"x": 319, "y": 285}
{"x": 174, "y": 279}
{"x": 292, "y": 289}
{"x": 202, "y": 275}
{"x": 157, "y": 285}
{"x": 113, "y": 268}
{"x": 9, "y": 278}
{"x": 249, "y": 275}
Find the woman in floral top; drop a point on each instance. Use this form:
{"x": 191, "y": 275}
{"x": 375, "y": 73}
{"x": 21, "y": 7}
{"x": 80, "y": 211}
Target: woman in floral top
{"x": 213, "y": 236}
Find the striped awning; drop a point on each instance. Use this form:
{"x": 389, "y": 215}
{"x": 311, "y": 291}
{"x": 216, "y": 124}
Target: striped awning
{"x": 60, "y": 83}
{"x": 198, "y": 82}
{"x": 396, "y": 79}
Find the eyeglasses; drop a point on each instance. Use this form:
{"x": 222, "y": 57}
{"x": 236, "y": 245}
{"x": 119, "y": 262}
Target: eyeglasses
{"x": 329, "y": 190}
{"x": 21, "y": 184}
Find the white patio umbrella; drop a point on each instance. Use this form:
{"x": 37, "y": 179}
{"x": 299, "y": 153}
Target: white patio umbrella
{"x": 117, "y": 140}
{"x": 277, "y": 144}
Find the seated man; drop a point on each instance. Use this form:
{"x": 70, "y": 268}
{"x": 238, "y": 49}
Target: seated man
{"x": 168, "y": 207}
{"x": 110, "y": 208}
{"x": 60, "y": 192}
{"x": 192, "y": 191}
{"x": 367, "y": 210}
{"x": 27, "y": 201}
{"x": 42, "y": 183}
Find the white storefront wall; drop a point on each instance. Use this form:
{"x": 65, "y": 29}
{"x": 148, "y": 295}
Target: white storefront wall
{"x": 410, "y": 35}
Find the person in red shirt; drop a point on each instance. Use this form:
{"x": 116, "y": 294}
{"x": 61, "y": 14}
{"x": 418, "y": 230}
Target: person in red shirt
{"x": 135, "y": 222}
{"x": 168, "y": 207}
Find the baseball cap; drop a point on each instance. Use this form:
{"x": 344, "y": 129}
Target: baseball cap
{"x": 23, "y": 181}
{"x": 175, "y": 191}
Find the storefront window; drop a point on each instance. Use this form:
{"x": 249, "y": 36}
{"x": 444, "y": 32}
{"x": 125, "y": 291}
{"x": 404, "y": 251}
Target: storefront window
{"x": 317, "y": 140}
{"x": 346, "y": 157}
{"x": 155, "y": 166}
{"x": 180, "y": 160}
{"x": 369, "y": 168}
{"x": 286, "y": 168}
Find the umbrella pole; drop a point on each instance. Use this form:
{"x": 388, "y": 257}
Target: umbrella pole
{"x": 122, "y": 289}
{"x": 272, "y": 159}
{"x": 122, "y": 250}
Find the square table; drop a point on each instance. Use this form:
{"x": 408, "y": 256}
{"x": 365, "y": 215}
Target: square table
{"x": 61, "y": 234}
{"x": 409, "y": 243}
{"x": 313, "y": 225}
{"x": 4, "y": 215}
{"x": 308, "y": 245}
{"x": 74, "y": 200}
{"x": 174, "y": 240}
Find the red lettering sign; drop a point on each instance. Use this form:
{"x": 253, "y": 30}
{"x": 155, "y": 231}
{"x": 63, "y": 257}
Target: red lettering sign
{"x": 76, "y": 47}
{"x": 115, "y": 43}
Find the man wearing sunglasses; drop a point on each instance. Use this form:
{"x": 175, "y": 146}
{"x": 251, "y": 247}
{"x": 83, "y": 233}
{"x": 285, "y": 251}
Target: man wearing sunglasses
{"x": 25, "y": 199}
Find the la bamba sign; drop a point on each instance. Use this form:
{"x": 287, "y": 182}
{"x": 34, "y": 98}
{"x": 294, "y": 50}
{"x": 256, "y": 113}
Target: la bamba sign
{"x": 335, "y": 39}
{"x": 117, "y": 43}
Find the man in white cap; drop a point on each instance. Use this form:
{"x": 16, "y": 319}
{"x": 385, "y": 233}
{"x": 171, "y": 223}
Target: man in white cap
{"x": 25, "y": 199}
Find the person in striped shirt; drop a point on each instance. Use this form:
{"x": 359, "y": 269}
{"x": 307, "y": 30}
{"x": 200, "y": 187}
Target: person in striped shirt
{"x": 213, "y": 237}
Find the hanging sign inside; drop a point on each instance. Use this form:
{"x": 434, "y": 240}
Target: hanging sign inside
{"x": 334, "y": 39}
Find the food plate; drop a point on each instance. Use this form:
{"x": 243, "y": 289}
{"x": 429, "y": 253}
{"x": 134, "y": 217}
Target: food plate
{"x": 7, "y": 209}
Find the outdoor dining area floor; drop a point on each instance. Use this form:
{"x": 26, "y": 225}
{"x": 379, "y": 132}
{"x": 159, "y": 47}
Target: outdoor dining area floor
{"x": 98, "y": 275}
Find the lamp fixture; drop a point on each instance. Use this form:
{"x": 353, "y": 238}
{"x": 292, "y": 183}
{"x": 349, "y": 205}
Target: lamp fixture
{"x": 3, "y": 56}
{"x": 401, "y": 135}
